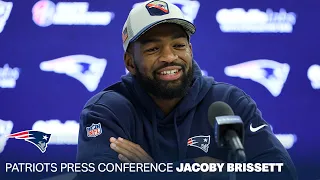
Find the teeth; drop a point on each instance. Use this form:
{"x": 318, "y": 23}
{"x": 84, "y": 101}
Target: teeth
{"x": 169, "y": 72}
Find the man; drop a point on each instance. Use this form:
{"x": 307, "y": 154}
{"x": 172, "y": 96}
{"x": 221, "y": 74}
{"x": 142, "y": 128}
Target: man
{"x": 150, "y": 115}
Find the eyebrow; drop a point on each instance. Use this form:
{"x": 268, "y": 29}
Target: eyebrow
{"x": 155, "y": 39}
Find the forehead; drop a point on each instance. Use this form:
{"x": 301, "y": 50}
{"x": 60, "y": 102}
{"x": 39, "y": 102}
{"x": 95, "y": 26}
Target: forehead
{"x": 164, "y": 30}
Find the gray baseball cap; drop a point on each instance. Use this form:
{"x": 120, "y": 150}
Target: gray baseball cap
{"x": 148, "y": 14}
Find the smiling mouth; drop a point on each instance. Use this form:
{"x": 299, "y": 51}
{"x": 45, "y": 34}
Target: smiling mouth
{"x": 170, "y": 73}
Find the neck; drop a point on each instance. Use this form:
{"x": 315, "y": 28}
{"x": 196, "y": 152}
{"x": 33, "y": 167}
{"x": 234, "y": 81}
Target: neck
{"x": 166, "y": 105}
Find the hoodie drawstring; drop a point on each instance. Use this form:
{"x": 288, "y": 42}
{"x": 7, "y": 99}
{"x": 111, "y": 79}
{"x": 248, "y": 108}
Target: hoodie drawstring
{"x": 155, "y": 139}
{"x": 177, "y": 136}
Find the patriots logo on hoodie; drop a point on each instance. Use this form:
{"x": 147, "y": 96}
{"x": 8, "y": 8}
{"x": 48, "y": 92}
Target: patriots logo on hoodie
{"x": 271, "y": 74}
{"x": 37, "y": 138}
{"x": 86, "y": 69}
{"x": 201, "y": 142}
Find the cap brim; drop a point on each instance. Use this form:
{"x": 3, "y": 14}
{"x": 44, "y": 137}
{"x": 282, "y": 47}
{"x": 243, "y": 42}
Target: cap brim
{"x": 187, "y": 26}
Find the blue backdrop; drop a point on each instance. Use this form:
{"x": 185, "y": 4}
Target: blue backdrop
{"x": 55, "y": 55}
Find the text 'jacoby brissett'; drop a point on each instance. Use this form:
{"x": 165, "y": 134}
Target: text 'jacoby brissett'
{"x": 142, "y": 167}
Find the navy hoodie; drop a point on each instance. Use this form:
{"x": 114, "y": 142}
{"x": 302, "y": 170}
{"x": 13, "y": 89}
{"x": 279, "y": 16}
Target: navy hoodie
{"x": 125, "y": 110}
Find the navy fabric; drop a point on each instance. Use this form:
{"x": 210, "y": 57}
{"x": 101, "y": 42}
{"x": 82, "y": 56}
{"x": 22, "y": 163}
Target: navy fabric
{"x": 126, "y": 110}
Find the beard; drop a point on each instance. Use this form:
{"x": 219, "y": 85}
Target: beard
{"x": 166, "y": 89}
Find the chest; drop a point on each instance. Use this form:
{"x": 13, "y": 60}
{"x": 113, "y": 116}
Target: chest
{"x": 190, "y": 137}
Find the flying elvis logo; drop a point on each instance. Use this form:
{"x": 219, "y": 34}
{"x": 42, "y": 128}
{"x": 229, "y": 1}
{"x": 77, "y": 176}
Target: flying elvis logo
{"x": 189, "y": 8}
{"x": 271, "y": 74}
{"x": 86, "y": 69}
{"x": 201, "y": 142}
{"x": 37, "y": 138}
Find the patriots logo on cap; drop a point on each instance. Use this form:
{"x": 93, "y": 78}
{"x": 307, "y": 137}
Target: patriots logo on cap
{"x": 94, "y": 130}
{"x": 37, "y": 138}
{"x": 201, "y": 142}
{"x": 157, "y": 8}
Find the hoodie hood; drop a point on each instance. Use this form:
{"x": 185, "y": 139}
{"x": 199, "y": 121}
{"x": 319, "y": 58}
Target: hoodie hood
{"x": 200, "y": 86}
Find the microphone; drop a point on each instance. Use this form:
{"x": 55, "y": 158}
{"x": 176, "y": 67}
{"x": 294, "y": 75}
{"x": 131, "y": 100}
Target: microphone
{"x": 228, "y": 129}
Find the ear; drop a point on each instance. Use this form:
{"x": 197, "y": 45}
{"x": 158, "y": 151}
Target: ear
{"x": 128, "y": 61}
{"x": 191, "y": 52}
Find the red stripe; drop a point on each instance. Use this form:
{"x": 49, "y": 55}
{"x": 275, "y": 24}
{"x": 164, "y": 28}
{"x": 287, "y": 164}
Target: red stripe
{"x": 25, "y": 136}
{"x": 19, "y": 134}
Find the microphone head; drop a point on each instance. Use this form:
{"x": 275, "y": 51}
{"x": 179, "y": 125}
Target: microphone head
{"x": 218, "y": 108}
{"x": 222, "y": 119}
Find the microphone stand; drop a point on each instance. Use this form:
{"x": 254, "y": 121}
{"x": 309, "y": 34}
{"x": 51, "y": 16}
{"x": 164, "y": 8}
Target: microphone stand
{"x": 236, "y": 150}
{"x": 232, "y": 158}
{"x": 235, "y": 156}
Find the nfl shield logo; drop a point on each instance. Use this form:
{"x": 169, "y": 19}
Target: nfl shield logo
{"x": 94, "y": 130}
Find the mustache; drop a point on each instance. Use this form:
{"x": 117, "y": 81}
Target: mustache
{"x": 183, "y": 67}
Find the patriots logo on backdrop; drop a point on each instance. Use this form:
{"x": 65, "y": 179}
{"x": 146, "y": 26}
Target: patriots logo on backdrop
{"x": 94, "y": 130}
{"x": 37, "y": 138}
{"x": 63, "y": 133}
{"x": 157, "y": 8}
{"x": 5, "y": 130}
{"x": 271, "y": 74}
{"x": 201, "y": 142}
{"x": 86, "y": 69}
{"x": 189, "y": 8}
{"x": 314, "y": 76}
{"x": 5, "y": 11}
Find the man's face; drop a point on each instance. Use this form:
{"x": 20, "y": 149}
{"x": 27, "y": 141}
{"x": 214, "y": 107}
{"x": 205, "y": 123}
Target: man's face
{"x": 162, "y": 60}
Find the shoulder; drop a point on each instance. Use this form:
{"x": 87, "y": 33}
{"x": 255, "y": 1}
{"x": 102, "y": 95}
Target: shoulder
{"x": 222, "y": 91}
{"x": 240, "y": 102}
{"x": 227, "y": 92}
{"x": 110, "y": 108}
{"x": 111, "y": 99}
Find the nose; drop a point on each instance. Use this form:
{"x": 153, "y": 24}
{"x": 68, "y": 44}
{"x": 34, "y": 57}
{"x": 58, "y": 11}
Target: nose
{"x": 168, "y": 55}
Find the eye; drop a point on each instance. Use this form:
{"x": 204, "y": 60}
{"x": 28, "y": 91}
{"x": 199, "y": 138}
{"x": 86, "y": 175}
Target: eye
{"x": 179, "y": 45}
{"x": 152, "y": 49}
